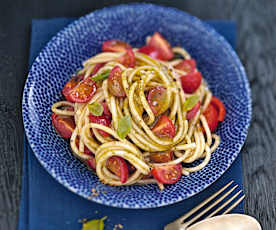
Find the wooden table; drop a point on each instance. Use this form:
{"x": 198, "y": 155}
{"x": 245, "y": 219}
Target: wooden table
{"x": 256, "y": 48}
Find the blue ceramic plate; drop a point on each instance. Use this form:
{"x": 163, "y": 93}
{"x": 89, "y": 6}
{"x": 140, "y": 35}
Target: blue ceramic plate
{"x": 82, "y": 39}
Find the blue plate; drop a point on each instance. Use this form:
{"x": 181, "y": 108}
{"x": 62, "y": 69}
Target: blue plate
{"x": 82, "y": 39}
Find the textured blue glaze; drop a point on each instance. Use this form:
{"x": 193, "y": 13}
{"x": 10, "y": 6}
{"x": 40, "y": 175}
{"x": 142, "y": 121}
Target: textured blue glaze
{"x": 132, "y": 23}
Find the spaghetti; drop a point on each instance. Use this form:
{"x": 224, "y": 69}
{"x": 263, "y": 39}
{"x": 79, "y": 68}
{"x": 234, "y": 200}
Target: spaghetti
{"x": 134, "y": 117}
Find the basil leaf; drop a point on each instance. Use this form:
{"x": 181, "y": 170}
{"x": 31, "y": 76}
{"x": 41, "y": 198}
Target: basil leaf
{"x": 96, "y": 109}
{"x": 124, "y": 127}
{"x": 101, "y": 76}
{"x": 97, "y": 224}
{"x": 190, "y": 102}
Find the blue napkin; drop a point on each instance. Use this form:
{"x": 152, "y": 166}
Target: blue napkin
{"x": 46, "y": 204}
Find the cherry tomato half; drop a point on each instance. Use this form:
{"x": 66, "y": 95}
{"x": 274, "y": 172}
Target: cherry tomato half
{"x": 74, "y": 81}
{"x": 106, "y": 111}
{"x": 128, "y": 59}
{"x": 191, "y": 113}
{"x": 220, "y": 108}
{"x": 102, "y": 120}
{"x": 115, "y": 46}
{"x": 64, "y": 125}
{"x": 118, "y": 166}
{"x": 150, "y": 51}
{"x": 191, "y": 81}
{"x": 131, "y": 168}
{"x": 92, "y": 163}
{"x": 211, "y": 115}
{"x": 163, "y": 47}
{"x": 83, "y": 92}
{"x": 97, "y": 68}
{"x": 156, "y": 98}
{"x": 86, "y": 150}
{"x": 164, "y": 127}
{"x": 168, "y": 174}
{"x": 115, "y": 82}
{"x": 188, "y": 65}
{"x": 161, "y": 157}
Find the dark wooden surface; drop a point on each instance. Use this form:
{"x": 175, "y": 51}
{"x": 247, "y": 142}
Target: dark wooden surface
{"x": 256, "y": 48}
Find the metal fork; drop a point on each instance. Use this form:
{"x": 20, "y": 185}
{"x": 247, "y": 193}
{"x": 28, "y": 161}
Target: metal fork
{"x": 180, "y": 224}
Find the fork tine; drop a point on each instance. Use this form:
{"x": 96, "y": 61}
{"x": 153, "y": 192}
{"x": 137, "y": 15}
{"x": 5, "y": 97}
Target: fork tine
{"x": 192, "y": 211}
{"x": 210, "y": 206}
{"x": 223, "y": 205}
{"x": 233, "y": 205}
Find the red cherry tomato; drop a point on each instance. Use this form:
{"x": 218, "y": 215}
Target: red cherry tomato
{"x": 115, "y": 46}
{"x": 190, "y": 82}
{"x": 131, "y": 168}
{"x": 220, "y": 108}
{"x": 75, "y": 80}
{"x": 168, "y": 174}
{"x": 188, "y": 65}
{"x": 118, "y": 166}
{"x": 86, "y": 150}
{"x": 156, "y": 98}
{"x": 128, "y": 59}
{"x": 191, "y": 113}
{"x": 97, "y": 68}
{"x": 64, "y": 125}
{"x": 83, "y": 92}
{"x": 150, "y": 51}
{"x": 106, "y": 111}
{"x": 163, "y": 47}
{"x": 161, "y": 157}
{"x": 69, "y": 108}
{"x": 211, "y": 115}
{"x": 115, "y": 82}
{"x": 92, "y": 163}
{"x": 164, "y": 127}
{"x": 102, "y": 120}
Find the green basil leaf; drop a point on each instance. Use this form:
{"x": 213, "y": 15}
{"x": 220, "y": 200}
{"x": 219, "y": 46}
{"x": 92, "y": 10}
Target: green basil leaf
{"x": 97, "y": 224}
{"x": 101, "y": 76}
{"x": 124, "y": 127}
{"x": 96, "y": 109}
{"x": 190, "y": 102}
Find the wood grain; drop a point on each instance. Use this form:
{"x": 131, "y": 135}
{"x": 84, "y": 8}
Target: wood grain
{"x": 257, "y": 51}
{"x": 256, "y": 48}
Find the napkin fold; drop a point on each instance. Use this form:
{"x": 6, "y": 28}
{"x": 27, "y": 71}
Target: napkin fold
{"x": 47, "y": 205}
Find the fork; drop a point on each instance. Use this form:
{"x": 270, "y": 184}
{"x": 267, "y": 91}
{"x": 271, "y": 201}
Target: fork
{"x": 181, "y": 224}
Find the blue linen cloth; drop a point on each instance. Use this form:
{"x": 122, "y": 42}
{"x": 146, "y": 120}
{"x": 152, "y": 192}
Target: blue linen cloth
{"x": 47, "y": 205}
